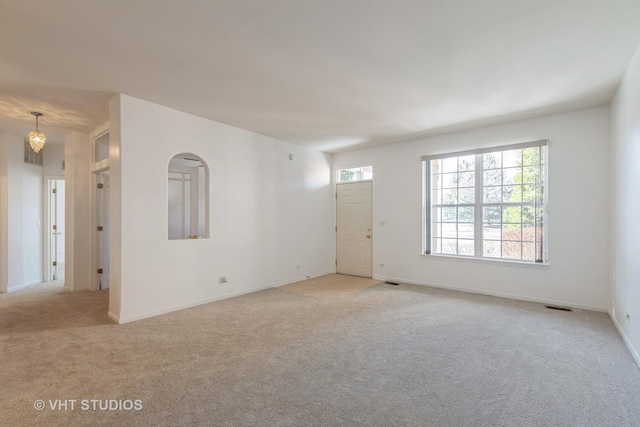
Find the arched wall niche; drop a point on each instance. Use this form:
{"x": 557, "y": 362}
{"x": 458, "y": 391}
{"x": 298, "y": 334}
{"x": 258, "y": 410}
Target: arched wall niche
{"x": 187, "y": 197}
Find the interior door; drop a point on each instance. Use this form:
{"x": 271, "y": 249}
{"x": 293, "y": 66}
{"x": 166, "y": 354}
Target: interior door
{"x": 103, "y": 229}
{"x": 353, "y": 232}
{"x": 56, "y": 222}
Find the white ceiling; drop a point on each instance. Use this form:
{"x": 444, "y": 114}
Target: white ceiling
{"x": 330, "y": 74}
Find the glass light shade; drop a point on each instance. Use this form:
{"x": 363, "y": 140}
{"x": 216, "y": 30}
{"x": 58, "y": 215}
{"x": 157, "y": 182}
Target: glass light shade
{"x": 37, "y": 140}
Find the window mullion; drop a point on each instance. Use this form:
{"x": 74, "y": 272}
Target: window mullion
{"x": 477, "y": 219}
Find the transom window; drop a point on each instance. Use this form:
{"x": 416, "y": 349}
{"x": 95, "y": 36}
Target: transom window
{"x": 488, "y": 203}
{"x": 362, "y": 173}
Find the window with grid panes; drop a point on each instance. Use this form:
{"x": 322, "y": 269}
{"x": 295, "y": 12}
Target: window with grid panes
{"x": 488, "y": 203}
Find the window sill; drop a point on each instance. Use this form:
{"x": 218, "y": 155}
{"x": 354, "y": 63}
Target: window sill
{"x": 495, "y": 261}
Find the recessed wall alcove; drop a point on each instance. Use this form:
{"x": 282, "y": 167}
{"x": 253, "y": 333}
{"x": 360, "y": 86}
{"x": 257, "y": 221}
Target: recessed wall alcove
{"x": 187, "y": 197}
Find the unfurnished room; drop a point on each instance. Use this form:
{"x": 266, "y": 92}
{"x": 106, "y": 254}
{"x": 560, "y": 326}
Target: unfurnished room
{"x": 320, "y": 213}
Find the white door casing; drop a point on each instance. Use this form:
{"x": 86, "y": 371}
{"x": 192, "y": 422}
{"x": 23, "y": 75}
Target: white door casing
{"x": 353, "y": 232}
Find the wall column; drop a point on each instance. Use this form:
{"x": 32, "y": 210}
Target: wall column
{"x": 77, "y": 154}
{"x": 11, "y": 261}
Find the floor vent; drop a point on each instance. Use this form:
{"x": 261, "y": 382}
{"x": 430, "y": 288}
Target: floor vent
{"x": 392, "y": 283}
{"x": 555, "y": 307}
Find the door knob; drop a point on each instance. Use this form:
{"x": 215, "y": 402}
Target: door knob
{"x": 368, "y": 236}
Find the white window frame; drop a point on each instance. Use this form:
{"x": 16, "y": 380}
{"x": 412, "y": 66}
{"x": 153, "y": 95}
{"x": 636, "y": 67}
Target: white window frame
{"x": 338, "y": 181}
{"x": 541, "y": 251}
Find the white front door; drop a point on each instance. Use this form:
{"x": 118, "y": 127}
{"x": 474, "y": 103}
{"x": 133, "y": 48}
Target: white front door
{"x": 354, "y": 237}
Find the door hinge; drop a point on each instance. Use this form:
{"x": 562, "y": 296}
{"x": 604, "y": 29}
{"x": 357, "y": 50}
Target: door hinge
{"x": 100, "y": 271}
{"x": 100, "y": 185}
{"x": 336, "y": 228}
{"x": 53, "y": 190}
{"x": 336, "y": 262}
{"x": 100, "y": 228}
{"x": 54, "y": 264}
{"x": 55, "y": 227}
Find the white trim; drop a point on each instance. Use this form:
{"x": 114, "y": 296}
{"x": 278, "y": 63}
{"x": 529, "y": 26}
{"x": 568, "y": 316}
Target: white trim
{"x": 96, "y": 168}
{"x": 113, "y": 317}
{"x": 17, "y": 288}
{"x": 508, "y": 147}
{"x": 23, "y": 286}
{"x": 127, "y": 319}
{"x": 496, "y": 294}
{"x": 100, "y": 166}
{"x": 627, "y": 341}
{"x": 337, "y": 174}
{"x": 99, "y": 131}
{"x": 482, "y": 260}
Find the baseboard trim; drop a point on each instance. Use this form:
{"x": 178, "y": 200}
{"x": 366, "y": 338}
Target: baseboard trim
{"x": 16, "y": 288}
{"x": 23, "y": 286}
{"x": 300, "y": 279}
{"x": 127, "y": 319}
{"x": 113, "y": 317}
{"x": 496, "y": 294}
{"x": 625, "y": 339}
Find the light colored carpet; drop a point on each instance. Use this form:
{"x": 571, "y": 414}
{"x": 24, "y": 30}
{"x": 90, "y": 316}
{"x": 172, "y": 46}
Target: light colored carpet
{"x": 382, "y": 356}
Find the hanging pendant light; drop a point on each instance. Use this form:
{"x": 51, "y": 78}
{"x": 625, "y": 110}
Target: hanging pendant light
{"x": 36, "y": 138}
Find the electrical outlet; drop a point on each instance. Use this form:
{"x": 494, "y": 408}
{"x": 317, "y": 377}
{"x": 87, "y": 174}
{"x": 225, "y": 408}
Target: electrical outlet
{"x": 628, "y": 317}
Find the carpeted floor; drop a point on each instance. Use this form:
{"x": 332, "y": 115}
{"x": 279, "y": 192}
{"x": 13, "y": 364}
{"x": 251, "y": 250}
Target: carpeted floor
{"x": 375, "y": 355}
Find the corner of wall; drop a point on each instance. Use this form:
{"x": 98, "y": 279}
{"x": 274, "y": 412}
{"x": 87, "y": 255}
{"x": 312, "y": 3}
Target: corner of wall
{"x": 625, "y": 271}
{"x": 115, "y": 229}
{"x": 77, "y": 210}
{"x": 4, "y": 211}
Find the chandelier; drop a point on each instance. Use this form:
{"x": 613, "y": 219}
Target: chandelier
{"x": 36, "y": 138}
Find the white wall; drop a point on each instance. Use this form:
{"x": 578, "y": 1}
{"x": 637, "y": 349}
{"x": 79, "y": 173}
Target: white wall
{"x": 32, "y": 224}
{"x": 11, "y": 271}
{"x": 77, "y": 152}
{"x": 21, "y": 216}
{"x": 268, "y": 214}
{"x": 625, "y": 130}
{"x": 52, "y": 158}
{"x": 578, "y": 212}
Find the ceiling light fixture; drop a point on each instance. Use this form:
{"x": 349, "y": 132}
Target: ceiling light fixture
{"x": 36, "y": 138}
